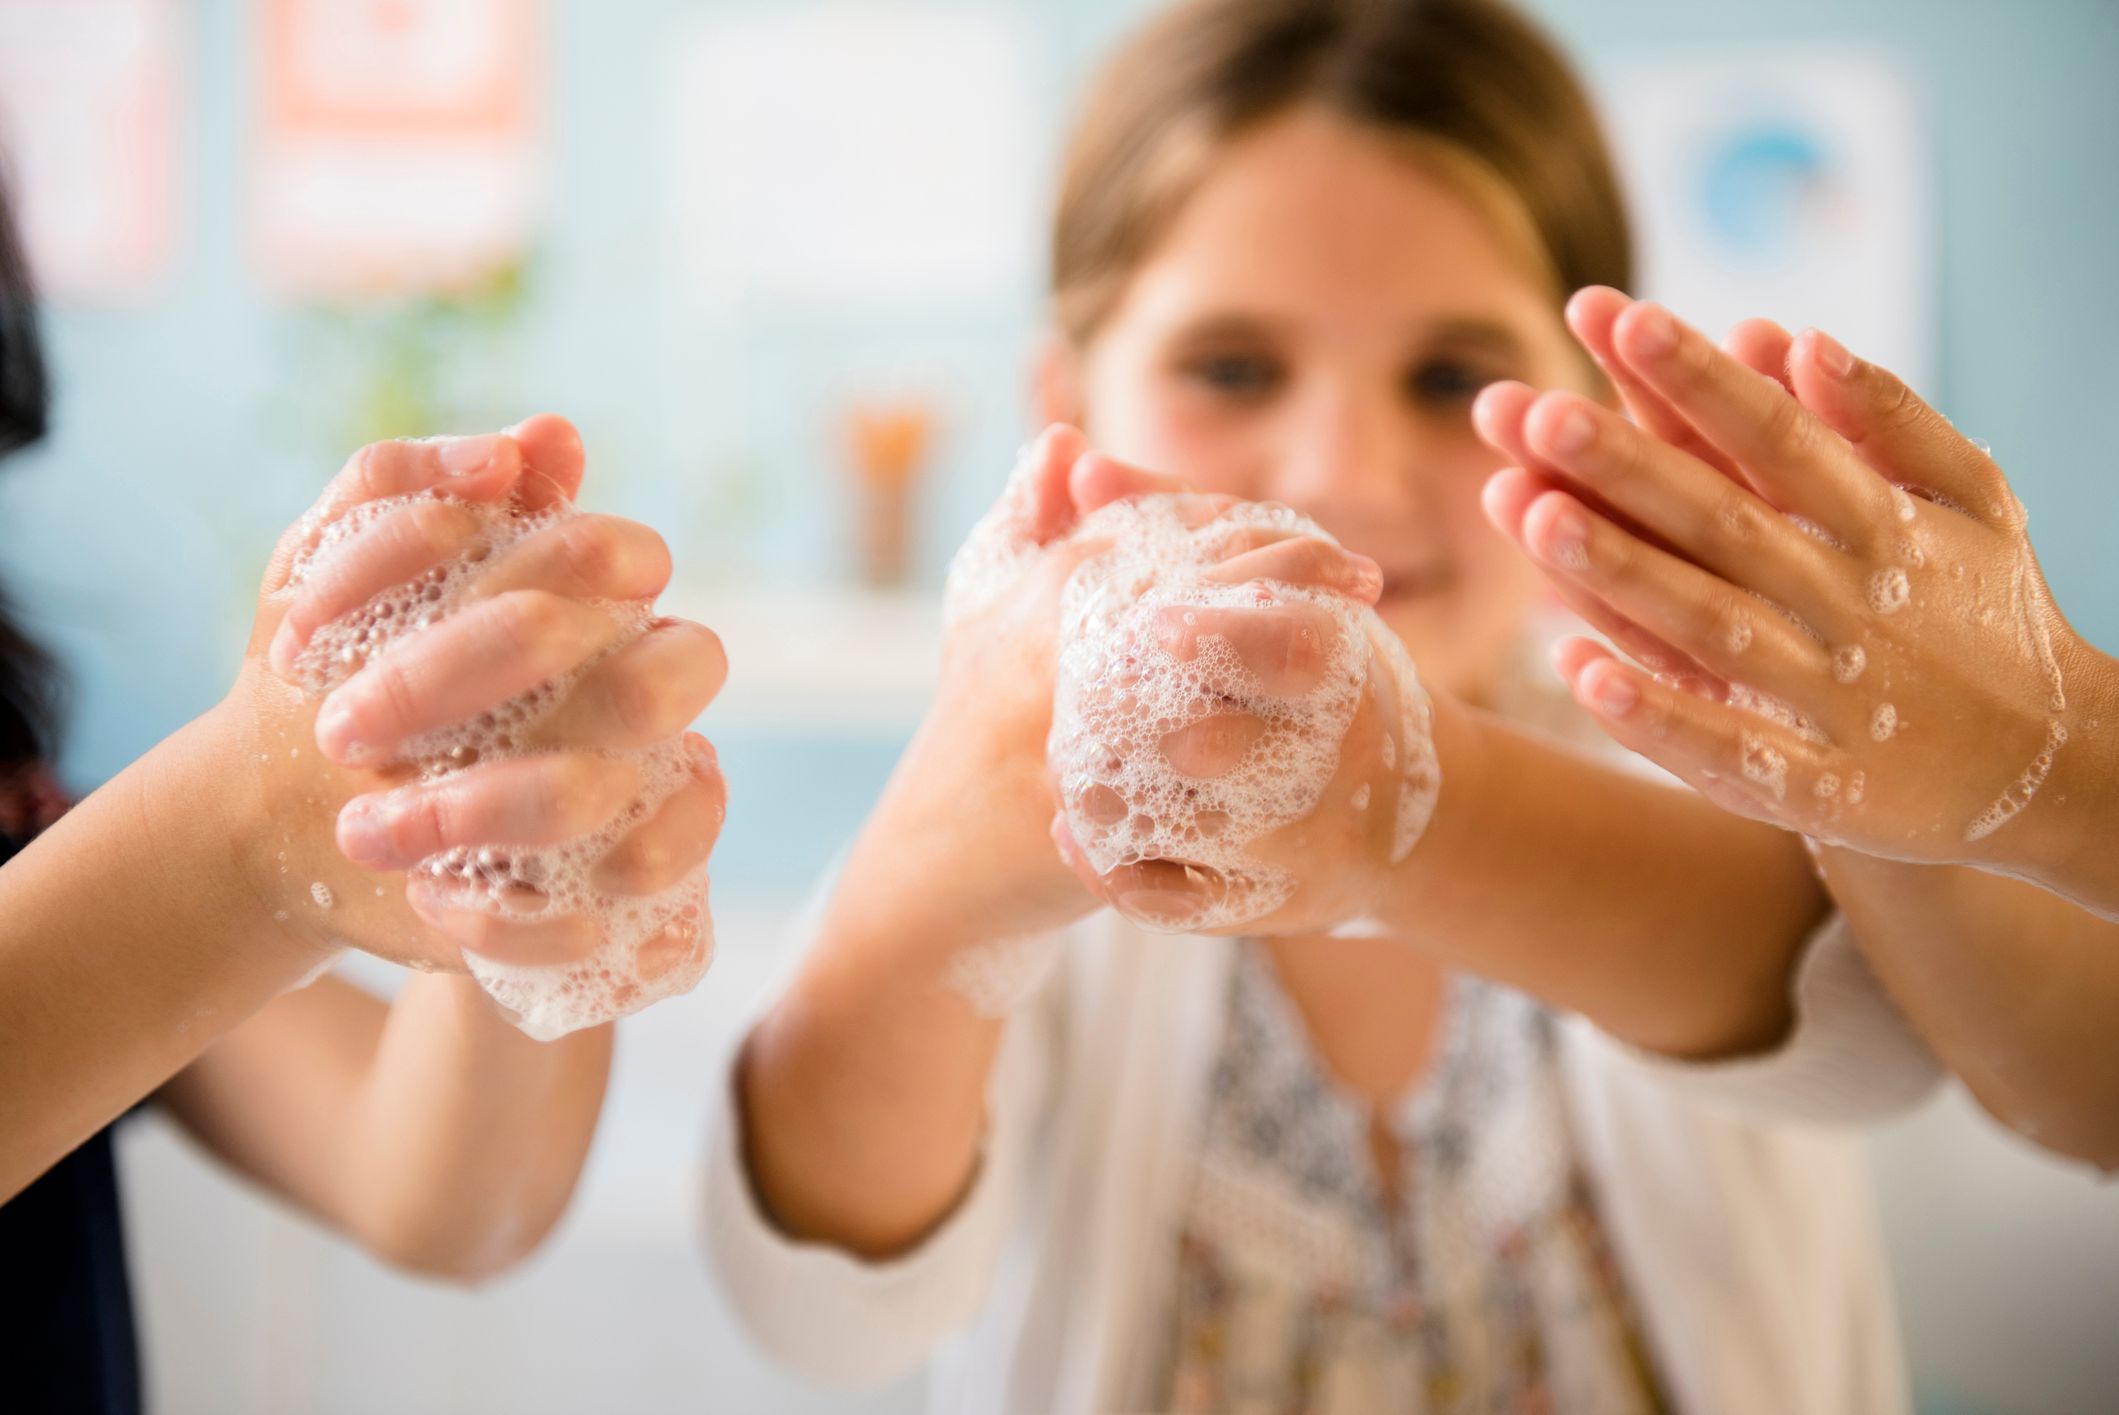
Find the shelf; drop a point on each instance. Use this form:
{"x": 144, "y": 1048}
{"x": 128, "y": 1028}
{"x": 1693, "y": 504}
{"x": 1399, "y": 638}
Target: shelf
{"x": 843, "y": 660}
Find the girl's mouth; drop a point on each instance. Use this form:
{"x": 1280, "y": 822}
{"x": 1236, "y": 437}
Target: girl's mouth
{"x": 1414, "y": 581}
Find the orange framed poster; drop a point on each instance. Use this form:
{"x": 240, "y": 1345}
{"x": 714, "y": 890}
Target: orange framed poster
{"x": 398, "y": 143}
{"x": 89, "y": 117}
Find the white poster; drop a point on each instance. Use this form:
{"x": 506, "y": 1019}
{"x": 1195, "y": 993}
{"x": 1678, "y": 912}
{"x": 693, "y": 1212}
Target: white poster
{"x": 398, "y": 148}
{"x": 89, "y": 141}
{"x": 846, "y": 151}
{"x": 1793, "y": 184}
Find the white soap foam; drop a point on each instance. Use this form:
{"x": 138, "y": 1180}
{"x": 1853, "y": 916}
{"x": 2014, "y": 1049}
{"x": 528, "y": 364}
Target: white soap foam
{"x": 1813, "y": 530}
{"x": 989, "y": 558}
{"x": 2031, "y": 614}
{"x": 2020, "y": 791}
{"x": 1775, "y": 710}
{"x": 650, "y": 947}
{"x": 1889, "y": 590}
{"x": 1848, "y": 663}
{"x": 1764, "y": 764}
{"x": 1883, "y": 722}
{"x": 1120, "y": 694}
{"x": 323, "y": 965}
{"x": 1420, "y": 776}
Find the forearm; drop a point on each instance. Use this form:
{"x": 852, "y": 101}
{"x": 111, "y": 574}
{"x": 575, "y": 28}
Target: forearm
{"x": 1668, "y": 922}
{"x": 2014, "y": 988}
{"x": 863, "y": 1091}
{"x": 129, "y": 942}
{"x": 467, "y": 1136}
{"x": 427, "y": 1130}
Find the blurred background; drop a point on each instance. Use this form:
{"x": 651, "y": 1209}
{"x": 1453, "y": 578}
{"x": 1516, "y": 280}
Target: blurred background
{"x": 781, "y": 262}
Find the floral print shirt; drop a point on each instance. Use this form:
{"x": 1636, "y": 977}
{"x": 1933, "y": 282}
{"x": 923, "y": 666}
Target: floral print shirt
{"x": 1484, "y": 1285}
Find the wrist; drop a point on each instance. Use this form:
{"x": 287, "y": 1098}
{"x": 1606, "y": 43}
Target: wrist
{"x": 2064, "y": 836}
{"x": 950, "y": 859}
{"x": 1468, "y": 749}
{"x": 209, "y": 828}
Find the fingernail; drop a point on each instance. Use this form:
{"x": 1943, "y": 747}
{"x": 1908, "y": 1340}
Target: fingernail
{"x": 466, "y": 456}
{"x": 1573, "y": 432}
{"x": 362, "y": 836}
{"x": 1368, "y": 579}
{"x": 334, "y": 728}
{"x": 1655, "y": 331}
{"x": 1568, "y": 544}
{"x": 704, "y": 759}
{"x": 1159, "y": 906}
{"x": 1832, "y": 354}
{"x": 1613, "y": 694}
{"x": 280, "y": 657}
{"x": 426, "y": 897}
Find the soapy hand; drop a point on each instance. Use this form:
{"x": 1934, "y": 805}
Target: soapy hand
{"x": 1199, "y": 631}
{"x": 1238, "y": 743}
{"x": 1846, "y": 630}
{"x": 469, "y": 674}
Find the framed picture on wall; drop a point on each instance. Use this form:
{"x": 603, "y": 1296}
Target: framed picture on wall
{"x": 90, "y": 120}
{"x": 397, "y": 144}
{"x": 1795, "y": 183}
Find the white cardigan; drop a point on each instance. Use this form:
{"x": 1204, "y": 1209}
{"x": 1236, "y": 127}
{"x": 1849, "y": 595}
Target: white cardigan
{"x": 1743, "y": 1224}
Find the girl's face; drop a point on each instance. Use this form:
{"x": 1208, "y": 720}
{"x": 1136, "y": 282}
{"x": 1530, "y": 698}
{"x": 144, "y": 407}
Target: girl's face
{"x": 1312, "y": 330}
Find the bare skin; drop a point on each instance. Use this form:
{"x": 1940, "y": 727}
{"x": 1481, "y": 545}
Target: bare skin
{"x": 1666, "y": 532}
{"x": 1311, "y": 330}
{"x": 427, "y": 1130}
{"x": 153, "y": 933}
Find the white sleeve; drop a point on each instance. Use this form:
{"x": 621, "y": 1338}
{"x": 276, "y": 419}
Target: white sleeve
{"x": 1851, "y": 1057}
{"x": 838, "y": 1319}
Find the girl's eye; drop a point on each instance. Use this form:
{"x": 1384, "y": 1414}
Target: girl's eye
{"x": 1235, "y": 375}
{"x": 1445, "y": 382}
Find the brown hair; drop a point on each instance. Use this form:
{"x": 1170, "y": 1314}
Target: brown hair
{"x": 31, "y": 692}
{"x": 1468, "y": 80}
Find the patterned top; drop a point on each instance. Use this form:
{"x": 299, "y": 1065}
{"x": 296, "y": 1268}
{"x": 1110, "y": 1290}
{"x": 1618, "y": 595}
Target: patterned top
{"x": 1486, "y": 1285}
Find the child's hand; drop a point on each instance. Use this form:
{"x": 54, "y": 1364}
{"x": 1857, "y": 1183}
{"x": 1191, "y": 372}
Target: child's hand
{"x": 1240, "y": 745}
{"x": 549, "y": 605}
{"x": 1820, "y": 537}
{"x": 977, "y": 773}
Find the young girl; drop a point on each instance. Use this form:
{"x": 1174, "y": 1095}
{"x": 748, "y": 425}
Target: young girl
{"x": 1293, "y": 241}
{"x": 155, "y": 938}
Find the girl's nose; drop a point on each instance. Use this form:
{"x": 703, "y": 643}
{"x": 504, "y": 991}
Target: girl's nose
{"x": 1349, "y": 457}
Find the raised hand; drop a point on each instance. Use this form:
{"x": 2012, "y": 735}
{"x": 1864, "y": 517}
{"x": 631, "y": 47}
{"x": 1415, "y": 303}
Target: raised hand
{"x": 1238, "y": 743}
{"x": 1844, "y": 628}
{"x": 491, "y": 706}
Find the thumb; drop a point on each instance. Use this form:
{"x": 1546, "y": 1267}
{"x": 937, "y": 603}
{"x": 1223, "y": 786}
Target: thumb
{"x": 553, "y": 460}
{"x": 1097, "y": 480}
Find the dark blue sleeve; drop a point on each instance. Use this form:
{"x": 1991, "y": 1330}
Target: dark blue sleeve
{"x": 66, "y": 1333}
